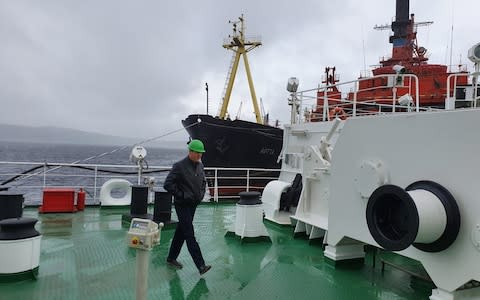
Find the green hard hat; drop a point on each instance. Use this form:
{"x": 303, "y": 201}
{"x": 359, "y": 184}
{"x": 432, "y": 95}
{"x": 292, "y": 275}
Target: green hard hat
{"x": 196, "y": 146}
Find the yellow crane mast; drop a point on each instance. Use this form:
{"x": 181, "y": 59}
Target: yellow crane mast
{"x": 240, "y": 45}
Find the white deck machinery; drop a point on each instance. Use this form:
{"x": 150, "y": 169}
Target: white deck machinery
{"x": 306, "y": 150}
{"x": 143, "y": 236}
{"x": 406, "y": 183}
{"x": 403, "y": 182}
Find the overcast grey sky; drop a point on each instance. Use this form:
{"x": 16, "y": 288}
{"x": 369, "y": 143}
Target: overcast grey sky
{"x": 136, "y": 68}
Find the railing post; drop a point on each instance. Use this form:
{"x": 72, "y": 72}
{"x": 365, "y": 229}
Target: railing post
{"x": 215, "y": 188}
{"x": 475, "y": 87}
{"x": 44, "y": 174}
{"x": 394, "y": 90}
{"x": 356, "y": 85}
{"x": 325, "y": 105}
{"x": 301, "y": 109}
{"x": 95, "y": 185}
{"x": 248, "y": 180}
{"x": 417, "y": 94}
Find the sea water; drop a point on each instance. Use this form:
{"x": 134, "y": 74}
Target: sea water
{"x": 32, "y": 184}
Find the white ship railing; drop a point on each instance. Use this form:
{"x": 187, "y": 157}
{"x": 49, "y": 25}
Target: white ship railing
{"x": 471, "y": 92}
{"x": 91, "y": 177}
{"x": 308, "y": 105}
{"x": 315, "y": 104}
{"x": 255, "y": 180}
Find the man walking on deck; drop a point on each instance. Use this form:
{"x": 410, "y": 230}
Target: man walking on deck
{"x": 186, "y": 181}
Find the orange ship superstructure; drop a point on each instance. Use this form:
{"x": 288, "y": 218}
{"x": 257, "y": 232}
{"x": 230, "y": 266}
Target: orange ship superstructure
{"x": 408, "y": 58}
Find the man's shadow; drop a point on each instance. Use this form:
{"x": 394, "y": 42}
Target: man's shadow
{"x": 176, "y": 289}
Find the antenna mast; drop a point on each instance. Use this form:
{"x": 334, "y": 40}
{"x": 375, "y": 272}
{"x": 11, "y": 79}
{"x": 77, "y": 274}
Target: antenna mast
{"x": 404, "y": 39}
{"x": 451, "y": 43}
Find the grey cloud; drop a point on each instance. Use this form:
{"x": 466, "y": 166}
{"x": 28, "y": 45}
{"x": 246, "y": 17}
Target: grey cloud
{"x": 135, "y": 68}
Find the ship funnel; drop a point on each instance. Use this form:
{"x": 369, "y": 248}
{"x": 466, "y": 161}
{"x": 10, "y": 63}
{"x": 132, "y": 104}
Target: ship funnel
{"x": 402, "y": 10}
{"x": 424, "y": 215}
{"x": 402, "y": 19}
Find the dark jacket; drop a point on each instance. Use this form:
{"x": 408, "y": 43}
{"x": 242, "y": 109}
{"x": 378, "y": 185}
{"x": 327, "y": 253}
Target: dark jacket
{"x": 186, "y": 181}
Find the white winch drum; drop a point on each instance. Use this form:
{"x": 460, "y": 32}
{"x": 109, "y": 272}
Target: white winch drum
{"x": 424, "y": 215}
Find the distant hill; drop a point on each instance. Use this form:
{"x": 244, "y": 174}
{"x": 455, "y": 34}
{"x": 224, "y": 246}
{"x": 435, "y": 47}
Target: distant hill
{"x": 58, "y": 135}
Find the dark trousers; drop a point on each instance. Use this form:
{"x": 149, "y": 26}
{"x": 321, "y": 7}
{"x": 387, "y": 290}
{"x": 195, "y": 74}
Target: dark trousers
{"x": 184, "y": 232}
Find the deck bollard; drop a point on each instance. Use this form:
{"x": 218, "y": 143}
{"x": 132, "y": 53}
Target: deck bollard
{"x": 248, "y": 224}
{"x": 19, "y": 241}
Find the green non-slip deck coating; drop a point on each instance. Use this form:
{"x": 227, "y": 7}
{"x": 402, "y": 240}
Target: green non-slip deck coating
{"x": 84, "y": 255}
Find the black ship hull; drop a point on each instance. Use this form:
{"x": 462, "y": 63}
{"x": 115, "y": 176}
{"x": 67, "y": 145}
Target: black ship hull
{"x": 236, "y": 144}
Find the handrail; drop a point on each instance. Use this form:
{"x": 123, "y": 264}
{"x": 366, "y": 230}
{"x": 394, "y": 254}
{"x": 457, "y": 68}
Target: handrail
{"x": 63, "y": 177}
{"x": 454, "y": 92}
{"x": 322, "y": 93}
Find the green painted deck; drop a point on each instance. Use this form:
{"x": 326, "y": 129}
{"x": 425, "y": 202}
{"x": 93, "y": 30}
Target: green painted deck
{"x": 84, "y": 255}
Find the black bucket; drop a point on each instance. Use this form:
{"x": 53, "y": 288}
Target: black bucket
{"x": 11, "y": 205}
{"x": 139, "y": 203}
{"x": 162, "y": 211}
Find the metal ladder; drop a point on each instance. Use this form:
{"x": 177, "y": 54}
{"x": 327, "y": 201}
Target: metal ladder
{"x": 229, "y": 74}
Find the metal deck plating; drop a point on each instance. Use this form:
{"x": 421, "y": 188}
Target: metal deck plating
{"x": 84, "y": 256}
